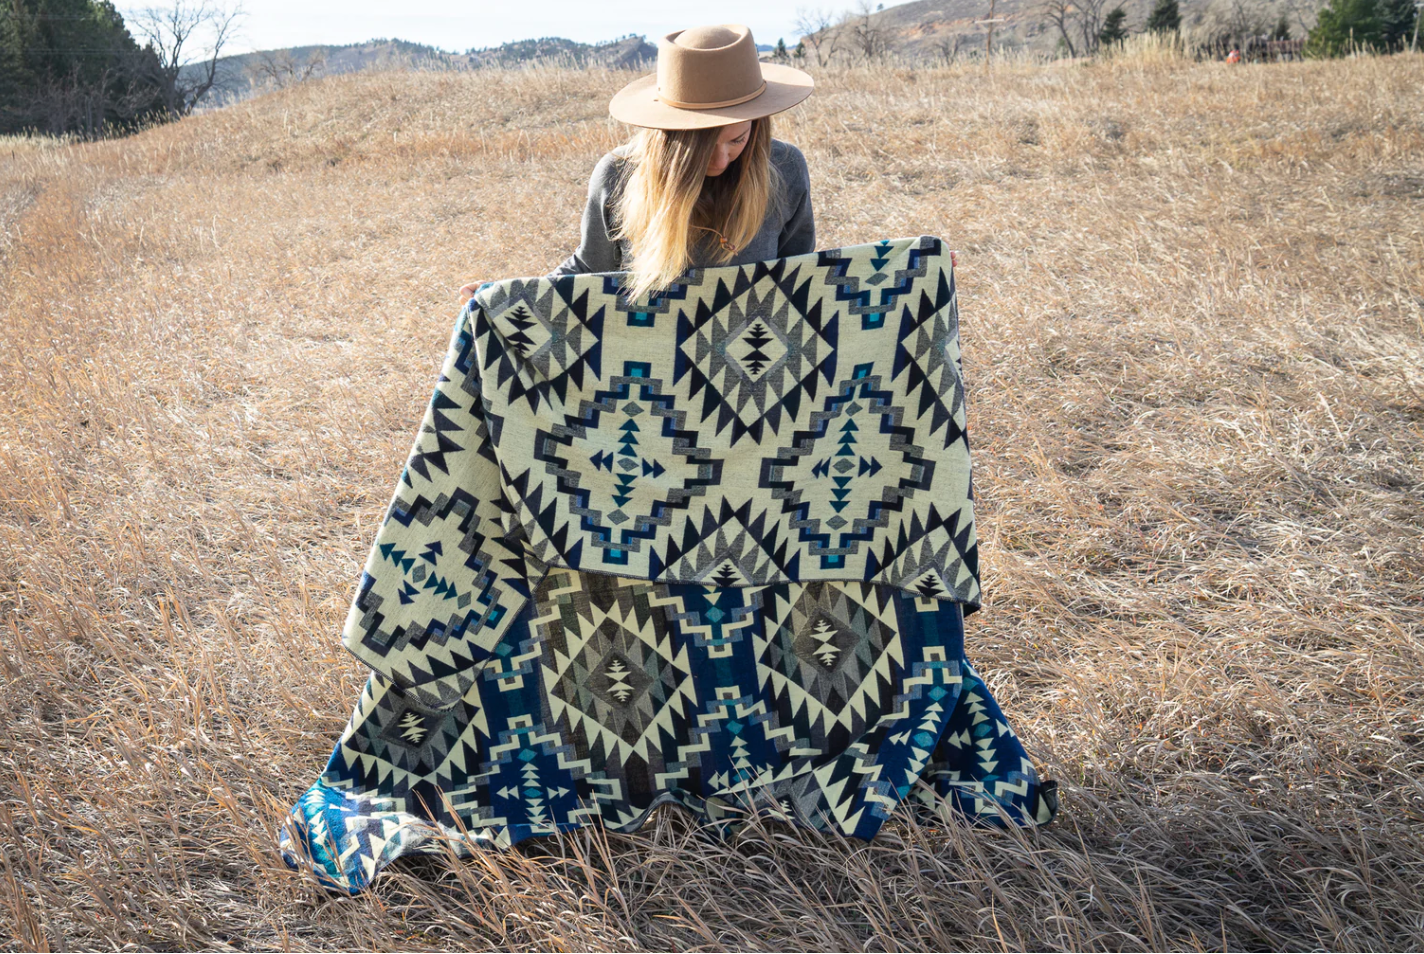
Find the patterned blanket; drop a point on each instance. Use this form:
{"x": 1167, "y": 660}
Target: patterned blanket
{"x": 709, "y": 547}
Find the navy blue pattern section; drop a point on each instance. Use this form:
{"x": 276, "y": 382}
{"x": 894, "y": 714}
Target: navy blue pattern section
{"x": 825, "y": 704}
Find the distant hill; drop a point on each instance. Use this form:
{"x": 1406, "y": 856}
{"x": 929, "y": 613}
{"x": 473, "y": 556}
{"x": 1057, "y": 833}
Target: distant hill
{"x": 241, "y": 75}
{"x": 627, "y": 52}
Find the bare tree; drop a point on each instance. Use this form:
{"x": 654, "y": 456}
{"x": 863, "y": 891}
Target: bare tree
{"x": 175, "y": 34}
{"x": 281, "y": 69}
{"x": 1079, "y": 22}
{"x": 815, "y": 25}
{"x": 1090, "y": 22}
{"x": 1246, "y": 19}
{"x": 1061, "y": 13}
{"x": 839, "y": 37}
{"x": 842, "y": 37}
{"x": 1299, "y": 10}
{"x": 869, "y": 38}
{"x": 948, "y": 47}
{"x": 1234, "y": 23}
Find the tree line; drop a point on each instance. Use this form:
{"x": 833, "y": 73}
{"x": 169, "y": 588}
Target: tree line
{"x": 1341, "y": 27}
{"x": 76, "y": 67}
{"x": 1086, "y": 27}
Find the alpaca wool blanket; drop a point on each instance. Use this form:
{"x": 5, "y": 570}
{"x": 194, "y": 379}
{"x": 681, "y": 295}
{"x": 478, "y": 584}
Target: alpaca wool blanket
{"x": 712, "y": 547}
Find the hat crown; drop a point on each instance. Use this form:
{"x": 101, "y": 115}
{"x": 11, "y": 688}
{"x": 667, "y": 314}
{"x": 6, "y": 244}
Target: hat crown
{"x": 709, "y": 66}
{"x": 704, "y": 38}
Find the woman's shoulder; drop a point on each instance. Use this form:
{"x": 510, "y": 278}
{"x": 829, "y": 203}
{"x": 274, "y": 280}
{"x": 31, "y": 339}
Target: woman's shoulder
{"x": 790, "y": 163}
{"x": 781, "y": 149}
{"x": 609, "y": 169}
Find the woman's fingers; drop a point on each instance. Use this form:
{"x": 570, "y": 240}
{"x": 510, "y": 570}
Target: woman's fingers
{"x": 468, "y": 291}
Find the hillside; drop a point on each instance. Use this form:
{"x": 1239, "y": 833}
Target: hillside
{"x": 1192, "y": 313}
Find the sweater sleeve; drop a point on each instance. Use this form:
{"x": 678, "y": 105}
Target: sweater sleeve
{"x": 798, "y": 235}
{"x": 597, "y": 251}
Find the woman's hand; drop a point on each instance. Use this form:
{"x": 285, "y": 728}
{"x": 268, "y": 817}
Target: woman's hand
{"x": 468, "y": 291}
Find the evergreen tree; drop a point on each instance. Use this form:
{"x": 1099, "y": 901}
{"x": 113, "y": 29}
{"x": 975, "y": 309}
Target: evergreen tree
{"x": 72, "y": 66}
{"x": 15, "y": 80}
{"x": 1347, "y": 25}
{"x": 1114, "y": 29}
{"x": 1397, "y": 23}
{"x": 1282, "y": 30}
{"x": 780, "y": 54}
{"x": 1166, "y": 17}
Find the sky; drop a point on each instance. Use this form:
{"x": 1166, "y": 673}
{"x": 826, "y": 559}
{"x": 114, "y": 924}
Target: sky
{"x": 459, "y": 26}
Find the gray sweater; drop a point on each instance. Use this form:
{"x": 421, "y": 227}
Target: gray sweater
{"x": 788, "y": 229}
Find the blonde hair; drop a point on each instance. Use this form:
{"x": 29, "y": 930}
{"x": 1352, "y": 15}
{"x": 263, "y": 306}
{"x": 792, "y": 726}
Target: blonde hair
{"x": 668, "y": 200}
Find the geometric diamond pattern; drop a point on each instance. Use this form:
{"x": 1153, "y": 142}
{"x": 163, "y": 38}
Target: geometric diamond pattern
{"x": 615, "y": 677}
{"x": 830, "y": 656}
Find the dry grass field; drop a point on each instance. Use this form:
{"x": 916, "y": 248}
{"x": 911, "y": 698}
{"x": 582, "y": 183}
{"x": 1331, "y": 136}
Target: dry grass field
{"x": 1192, "y": 303}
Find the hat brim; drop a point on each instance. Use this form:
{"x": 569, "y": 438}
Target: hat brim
{"x": 637, "y": 104}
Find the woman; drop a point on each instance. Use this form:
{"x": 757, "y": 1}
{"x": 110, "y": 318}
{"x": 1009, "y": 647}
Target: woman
{"x": 703, "y": 182}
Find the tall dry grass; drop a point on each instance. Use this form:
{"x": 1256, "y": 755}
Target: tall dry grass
{"x": 1193, "y": 319}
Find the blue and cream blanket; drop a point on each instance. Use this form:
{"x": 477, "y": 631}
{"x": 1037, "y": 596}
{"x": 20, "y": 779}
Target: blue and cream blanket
{"x": 710, "y": 547}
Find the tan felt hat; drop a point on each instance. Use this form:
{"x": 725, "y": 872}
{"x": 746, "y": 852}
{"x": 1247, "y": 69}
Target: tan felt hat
{"x": 709, "y": 76}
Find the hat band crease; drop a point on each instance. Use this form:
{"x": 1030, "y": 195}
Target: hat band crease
{"x": 726, "y": 102}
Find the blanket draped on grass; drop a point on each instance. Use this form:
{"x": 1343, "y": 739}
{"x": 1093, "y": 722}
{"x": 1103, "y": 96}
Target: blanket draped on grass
{"x": 710, "y": 547}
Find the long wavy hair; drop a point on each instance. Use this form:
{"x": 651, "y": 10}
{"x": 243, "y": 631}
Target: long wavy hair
{"x": 669, "y": 201}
